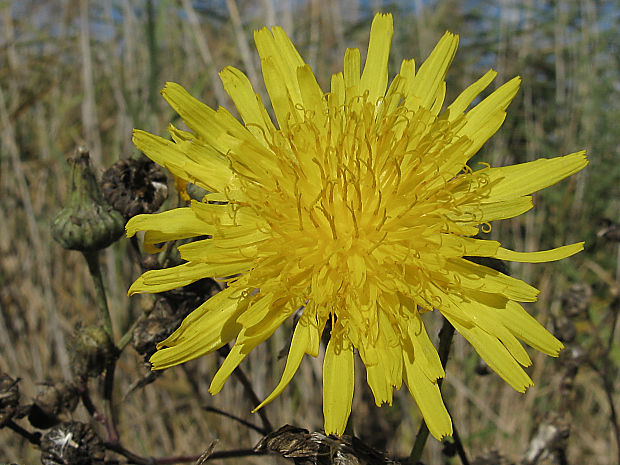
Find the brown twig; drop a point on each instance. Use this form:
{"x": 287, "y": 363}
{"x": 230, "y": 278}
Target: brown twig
{"x": 138, "y": 460}
{"x": 237, "y": 419}
{"x": 32, "y": 438}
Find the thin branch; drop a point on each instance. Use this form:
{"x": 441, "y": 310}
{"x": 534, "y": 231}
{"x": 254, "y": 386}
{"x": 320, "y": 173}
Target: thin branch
{"x": 138, "y": 460}
{"x": 32, "y": 438}
{"x": 245, "y": 382}
{"x": 460, "y": 450}
{"x": 237, "y": 419}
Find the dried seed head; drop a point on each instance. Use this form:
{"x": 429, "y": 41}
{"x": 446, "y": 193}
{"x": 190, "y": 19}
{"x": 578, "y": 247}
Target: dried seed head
{"x": 91, "y": 350}
{"x": 51, "y": 401}
{"x": 150, "y": 331}
{"x": 87, "y": 223}
{"x": 306, "y": 448}
{"x": 72, "y": 443}
{"x": 135, "y": 186}
{"x": 9, "y": 398}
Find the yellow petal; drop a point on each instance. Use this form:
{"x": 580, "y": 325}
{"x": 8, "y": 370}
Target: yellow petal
{"x": 377, "y": 377}
{"x": 212, "y": 251}
{"x": 276, "y": 48}
{"x": 477, "y": 212}
{"x": 486, "y": 319}
{"x": 352, "y": 66}
{"x": 257, "y": 310}
{"x": 428, "y": 81}
{"x": 287, "y": 51}
{"x": 276, "y": 88}
{"x": 200, "y": 118}
{"x": 338, "y": 385}
{"x": 209, "y": 327}
{"x": 487, "y": 117}
{"x": 470, "y": 275}
{"x": 526, "y": 328}
{"x": 305, "y": 340}
{"x": 494, "y": 354}
{"x": 337, "y": 95}
{"x": 541, "y": 256}
{"x": 154, "y": 281}
{"x": 179, "y": 135}
{"x": 312, "y": 95}
{"x": 179, "y": 223}
{"x": 407, "y": 73}
{"x": 244, "y": 344}
{"x": 211, "y": 173}
{"x": 387, "y": 373}
{"x": 463, "y": 101}
{"x": 439, "y": 98}
{"x": 231, "y": 362}
{"x": 225, "y": 303}
{"x": 375, "y": 75}
{"x": 513, "y": 181}
{"x": 424, "y": 351}
{"x": 249, "y": 106}
{"x": 428, "y": 397}
{"x": 479, "y": 247}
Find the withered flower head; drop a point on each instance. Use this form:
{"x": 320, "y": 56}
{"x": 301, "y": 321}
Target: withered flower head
{"x": 72, "y": 443}
{"x": 135, "y": 186}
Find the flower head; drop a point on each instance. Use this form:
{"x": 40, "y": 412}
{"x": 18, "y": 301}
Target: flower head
{"x": 357, "y": 208}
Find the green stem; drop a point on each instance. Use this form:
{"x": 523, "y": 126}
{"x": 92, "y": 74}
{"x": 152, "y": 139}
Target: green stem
{"x": 445, "y": 341}
{"x": 92, "y": 258}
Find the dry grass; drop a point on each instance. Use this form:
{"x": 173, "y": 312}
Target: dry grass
{"x": 88, "y": 72}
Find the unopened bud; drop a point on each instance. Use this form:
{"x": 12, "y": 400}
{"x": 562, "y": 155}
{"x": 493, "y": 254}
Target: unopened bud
{"x": 87, "y": 223}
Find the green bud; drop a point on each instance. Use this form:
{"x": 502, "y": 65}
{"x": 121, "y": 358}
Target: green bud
{"x": 87, "y": 223}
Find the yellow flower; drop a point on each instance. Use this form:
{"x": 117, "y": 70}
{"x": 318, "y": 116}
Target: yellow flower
{"x": 358, "y": 207}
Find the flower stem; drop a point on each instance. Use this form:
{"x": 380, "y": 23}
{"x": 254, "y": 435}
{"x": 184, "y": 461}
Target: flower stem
{"x": 92, "y": 258}
{"x": 445, "y": 341}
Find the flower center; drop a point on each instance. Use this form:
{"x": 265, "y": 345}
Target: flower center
{"x": 354, "y": 196}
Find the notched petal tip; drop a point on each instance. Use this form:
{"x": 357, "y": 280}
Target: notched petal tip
{"x": 170, "y": 86}
{"x": 167, "y": 358}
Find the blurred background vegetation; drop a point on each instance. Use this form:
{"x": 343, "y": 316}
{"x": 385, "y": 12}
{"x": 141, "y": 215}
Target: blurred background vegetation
{"x": 87, "y": 72}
